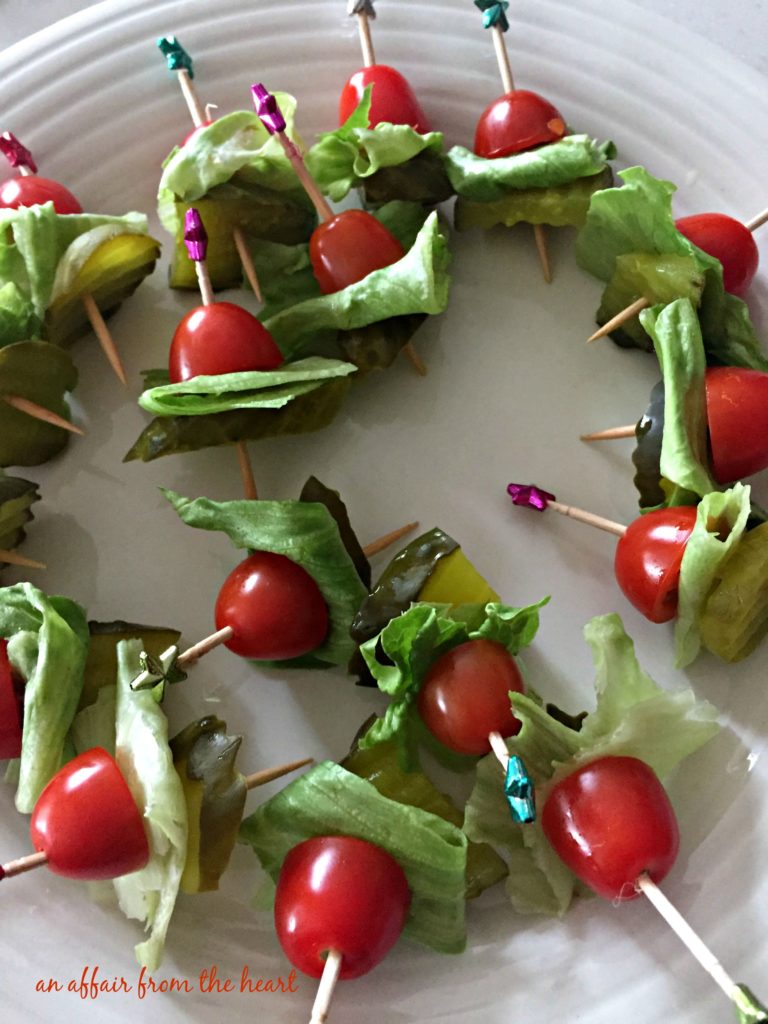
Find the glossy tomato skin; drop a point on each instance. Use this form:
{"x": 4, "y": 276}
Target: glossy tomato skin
{"x": 349, "y": 247}
{"x": 648, "y": 557}
{"x": 392, "y": 98}
{"x": 610, "y": 821}
{"x": 729, "y": 241}
{"x": 517, "y": 121}
{"x": 31, "y": 190}
{"x": 465, "y": 696}
{"x": 87, "y": 822}
{"x": 340, "y": 893}
{"x": 737, "y": 417}
{"x": 220, "y": 338}
{"x": 11, "y": 714}
{"x": 274, "y": 606}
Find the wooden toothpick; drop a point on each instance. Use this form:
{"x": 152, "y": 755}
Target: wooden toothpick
{"x": 365, "y": 12}
{"x": 611, "y": 434}
{"x": 389, "y": 538}
{"x": 756, "y": 222}
{"x": 22, "y": 864}
{"x": 322, "y": 1004}
{"x": 14, "y": 558}
{"x": 39, "y": 412}
{"x": 621, "y": 318}
{"x": 737, "y": 993}
{"x": 270, "y": 774}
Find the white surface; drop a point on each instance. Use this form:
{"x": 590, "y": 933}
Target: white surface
{"x": 511, "y": 385}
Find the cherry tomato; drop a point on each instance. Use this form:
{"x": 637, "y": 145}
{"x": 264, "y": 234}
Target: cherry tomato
{"x": 465, "y": 696}
{"x": 30, "y": 190}
{"x": 11, "y": 714}
{"x": 87, "y": 822}
{"x": 392, "y": 98}
{"x": 648, "y": 557}
{"x": 195, "y": 132}
{"x": 274, "y": 606}
{"x": 516, "y": 121}
{"x": 340, "y": 893}
{"x": 220, "y": 338}
{"x": 729, "y": 241}
{"x": 610, "y": 821}
{"x": 737, "y": 416}
{"x": 349, "y": 247}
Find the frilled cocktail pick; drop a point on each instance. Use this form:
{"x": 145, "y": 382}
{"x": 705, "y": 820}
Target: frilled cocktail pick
{"x": 179, "y": 61}
{"x": 531, "y": 496}
{"x": 16, "y": 154}
{"x": 365, "y": 12}
{"x": 19, "y": 156}
{"x": 495, "y": 19}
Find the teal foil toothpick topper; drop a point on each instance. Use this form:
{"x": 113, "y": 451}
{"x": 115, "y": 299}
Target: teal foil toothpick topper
{"x": 519, "y": 791}
{"x": 176, "y": 57}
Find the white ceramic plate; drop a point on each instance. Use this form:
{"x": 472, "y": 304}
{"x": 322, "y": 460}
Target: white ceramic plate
{"x": 510, "y": 387}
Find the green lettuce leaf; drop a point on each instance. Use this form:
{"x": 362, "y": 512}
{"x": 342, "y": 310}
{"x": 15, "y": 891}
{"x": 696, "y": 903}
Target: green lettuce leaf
{"x": 171, "y": 435}
{"x": 16, "y": 498}
{"x": 94, "y": 725}
{"x": 44, "y": 374}
{"x": 633, "y": 718}
{"x": 637, "y": 219}
{"x": 721, "y": 519}
{"x": 348, "y": 157}
{"x": 418, "y": 283}
{"x": 328, "y": 800}
{"x": 305, "y": 532}
{"x": 559, "y": 163}
{"x": 47, "y": 645}
{"x": 46, "y": 250}
{"x": 400, "y": 656}
{"x": 252, "y": 389}
{"x": 559, "y": 205}
{"x": 18, "y": 320}
{"x": 145, "y": 759}
{"x": 684, "y": 462}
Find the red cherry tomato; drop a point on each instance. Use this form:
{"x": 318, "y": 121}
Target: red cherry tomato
{"x": 11, "y": 714}
{"x": 465, "y": 696}
{"x": 340, "y": 893}
{"x": 87, "y": 822}
{"x": 220, "y": 338}
{"x": 274, "y": 606}
{"x": 737, "y": 416}
{"x": 729, "y": 241}
{"x": 392, "y": 98}
{"x": 648, "y": 557}
{"x": 349, "y": 247}
{"x": 610, "y": 821}
{"x": 195, "y": 131}
{"x": 516, "y": 121}
{"x": 30, "y": 190}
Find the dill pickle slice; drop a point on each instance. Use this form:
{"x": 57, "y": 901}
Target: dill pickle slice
{"x": 735, "y": 616}
{"x": 110, "y": 274}
{"x": 454, "y": 580}
{"x": 380, "y": 766}
{"x": 658, "y": 279}
{"x": 16, "y": 497}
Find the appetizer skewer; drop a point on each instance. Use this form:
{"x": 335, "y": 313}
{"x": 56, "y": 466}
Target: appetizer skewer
{"x": 64, "y": 202}
{"x": 346, "y": 247}
{"x": 180, "y": 62}
{"x": 718, "y": 235}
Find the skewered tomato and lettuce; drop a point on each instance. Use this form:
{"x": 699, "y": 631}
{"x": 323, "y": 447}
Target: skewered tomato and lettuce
{"x": 630, "y": 241}
{"x": 633, "y": 718}
{"x": 389, "y": 161}
{"x": 551, "y": 184}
